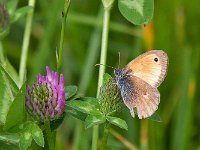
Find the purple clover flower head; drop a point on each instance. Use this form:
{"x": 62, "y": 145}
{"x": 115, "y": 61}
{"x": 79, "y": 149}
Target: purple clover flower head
{"x": 45, "y": 100}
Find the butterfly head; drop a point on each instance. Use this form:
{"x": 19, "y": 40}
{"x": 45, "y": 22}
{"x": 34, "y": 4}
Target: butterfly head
{"x": 119, "y": 73}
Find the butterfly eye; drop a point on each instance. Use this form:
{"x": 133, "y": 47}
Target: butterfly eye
{"x": 156, "y": 59}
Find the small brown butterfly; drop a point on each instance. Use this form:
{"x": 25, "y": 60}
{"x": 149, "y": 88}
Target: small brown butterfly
{"x": 139, "y": 80}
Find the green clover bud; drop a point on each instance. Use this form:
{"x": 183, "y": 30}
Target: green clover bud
{"x": 110, "y": 98}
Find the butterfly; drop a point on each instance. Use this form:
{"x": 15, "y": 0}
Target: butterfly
{"x": 139, "y": 80}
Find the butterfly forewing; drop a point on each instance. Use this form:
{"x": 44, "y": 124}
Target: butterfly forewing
{"x": 150, "y": 67}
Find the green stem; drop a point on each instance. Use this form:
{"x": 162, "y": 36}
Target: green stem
{"x": 25, "y": 44}
{"x": 105, "y": 136}
{"x": 2, "y": 59}
{"x": 49, "y": 136}
{"x": 104, "y": 44}
{"x": 93, "y": 49}
{"x": 59, "y": 57}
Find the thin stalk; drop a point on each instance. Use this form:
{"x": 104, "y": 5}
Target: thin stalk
{"x": 1, "y": 53}
{"x": 27, "y": 33}
{"x": 44, "y": 46}
{"x": 49, "y": 136}
{"x": 104, "y": 45}
{"x": 105, "y": 136}
{"x": 92, "y": 55}
{"x": 59, "y": 57}
{"x": 123, "y": 140}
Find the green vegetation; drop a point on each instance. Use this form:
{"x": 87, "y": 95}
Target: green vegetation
{"x": 35, "y": 35}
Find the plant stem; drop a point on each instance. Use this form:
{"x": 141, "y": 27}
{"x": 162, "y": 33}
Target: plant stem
{"x": 92, "y": 55}
{"x": 2, "y": 59}
{"x": 59, "y": 57}
{"x": 49, "y": 136}
{"x": 105, "y": 136}
{"x": 25, "y": 44}
{"x": 104, "y": 44}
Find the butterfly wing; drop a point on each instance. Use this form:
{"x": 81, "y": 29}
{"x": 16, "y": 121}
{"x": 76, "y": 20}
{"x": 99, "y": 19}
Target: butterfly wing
{"x": 137, "y": 93}
{"x": 150, "y": 67}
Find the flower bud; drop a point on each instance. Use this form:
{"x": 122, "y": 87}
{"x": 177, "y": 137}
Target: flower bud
{"x": 110, "y": 98}
{"x": 45, "y": 100}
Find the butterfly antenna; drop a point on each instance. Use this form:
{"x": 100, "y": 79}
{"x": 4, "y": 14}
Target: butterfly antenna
{"x": 104, "y": 65}
{"x": 119, "y": 60}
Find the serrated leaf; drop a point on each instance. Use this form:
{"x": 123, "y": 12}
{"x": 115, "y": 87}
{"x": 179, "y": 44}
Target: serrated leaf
{"x": 21, "y": 12}
{"x": 94, "y": 119}
{"x": 37, "y": 135}
{"x": 106, "y": 78}
{"x": 137, "y": 11}
{"x": 25, "y": 140}
{"x": 86, "y": 106}
{"x": 118, "y": 122}
{"x": 70, "y": 91}
{"x": 155, "y": 117}
{"x": 16, "y": 113}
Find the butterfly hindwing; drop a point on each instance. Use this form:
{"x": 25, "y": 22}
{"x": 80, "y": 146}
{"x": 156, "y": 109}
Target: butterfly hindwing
{"x": 137, "y": 93}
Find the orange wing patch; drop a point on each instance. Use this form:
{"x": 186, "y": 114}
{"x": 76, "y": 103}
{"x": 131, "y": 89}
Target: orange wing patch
{"x": 150, "y": 67}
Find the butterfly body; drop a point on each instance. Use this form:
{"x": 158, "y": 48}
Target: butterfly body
{"x": 139, "y": 80}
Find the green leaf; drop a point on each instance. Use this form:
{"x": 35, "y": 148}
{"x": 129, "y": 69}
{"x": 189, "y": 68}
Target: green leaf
{"x": 8, "y": 146}
{"x": 9, "y": 138}
{"x": 21, "y": 12}
{"x": 5, "y": 100}
{"x": 11, "y": 6}
{"x": 37, "y": 135}
{"x": 56, "y": 123}
{"x": 9, "y": 90}
{"x": 137, "y": 11}
{"x": 10, "y": 71}
{"x": 91, "y": 101}
{"x": 25, "y": 140}
{"x": 70, "y": 91}
{"x": 94, "y": 119}
{"x": 155, "y": 117}
{"x": 85, "y": 105}
{"x": 16, "y": 111}
{"x": 106, "y": 78}
{"x": 75, "y": 113}
{"x": 118, "y": 122}
{"x": 10, "y": 81}
{"x": 30, "y": 128}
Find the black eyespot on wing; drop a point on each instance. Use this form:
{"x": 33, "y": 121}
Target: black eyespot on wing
{"x": 156, "y": 59}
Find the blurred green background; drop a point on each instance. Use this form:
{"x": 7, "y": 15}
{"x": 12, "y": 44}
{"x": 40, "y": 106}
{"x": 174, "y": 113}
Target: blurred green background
{"x": 175, "y": 28}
